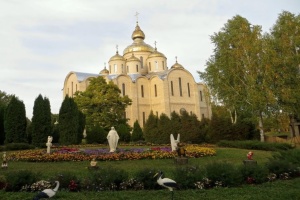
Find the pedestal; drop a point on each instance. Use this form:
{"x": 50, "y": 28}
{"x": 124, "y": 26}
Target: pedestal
{"x": 250, "y": 162}
{"x": 181, "y": 160}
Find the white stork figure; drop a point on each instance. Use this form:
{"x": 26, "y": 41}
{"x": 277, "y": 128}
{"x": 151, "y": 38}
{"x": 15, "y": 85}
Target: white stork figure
{"x": 166, "y": 182}
{"x": 47, "y": 193}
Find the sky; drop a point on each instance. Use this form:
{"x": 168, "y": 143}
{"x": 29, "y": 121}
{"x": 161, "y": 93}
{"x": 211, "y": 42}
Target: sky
{"x": 41, "y": 41}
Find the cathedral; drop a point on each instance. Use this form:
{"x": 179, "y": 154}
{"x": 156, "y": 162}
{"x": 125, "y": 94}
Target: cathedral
{"x": 142, "y": 73}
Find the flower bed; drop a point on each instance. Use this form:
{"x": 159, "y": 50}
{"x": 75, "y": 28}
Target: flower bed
{"x": 103, "y": 154}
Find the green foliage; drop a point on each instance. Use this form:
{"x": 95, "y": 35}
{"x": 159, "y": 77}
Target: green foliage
{"x": 190, "y": 128}
{"x": 279, "y": 167}
{"x": 254, "y": 173}
{"x": 164, "y": 125}
{"x": 41, "y": 126}
{"x": 224, "y": 174}
{"x": 186, "y": 177}
{"x": 70, "y": 122}
{"x": 254, "y": 144}
{"x": 64, "y": 179}
{"x": 146, "y": 176}
{"x": 18, "y": 146}
{"x": 15, "y": 121}
{"x": 137, "y": 132}
{"x": 96, "y": 135}
{"x": 123, "y": 131}
{"x": 2, "y": 133}
{"x": 150, "y": 128}
{"x": 292, "y": 156}
{"x": 17, "y": 179}
{"x": 102, "y": 103}
{"x": 107, "y": 178}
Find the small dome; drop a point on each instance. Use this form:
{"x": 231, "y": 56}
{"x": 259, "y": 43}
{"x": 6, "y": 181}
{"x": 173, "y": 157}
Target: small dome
{"x": 138, "y": 33}
{"x": 138, "y": 44}
{"x": 156, "y": 54}
{"x": 177, "y": 65}
{"x": 133, "y": 58}
{"x": 117, "y": 57}
{"x": 104, "y": 71}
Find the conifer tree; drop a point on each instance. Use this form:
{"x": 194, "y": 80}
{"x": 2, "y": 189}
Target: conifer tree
{"x": 70, "y": 124}
{"x": 41, "y": 121}
{"x": 137, "y": 132}
{"x": 164, "y": 125}
{"x": 15, "y": 121}
{"x": 123, "y": 132}
{"x": 151, "y": 129}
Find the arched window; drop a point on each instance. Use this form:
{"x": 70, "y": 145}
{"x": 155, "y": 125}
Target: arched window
{"x": 123, "y": 89}
{"x": 163, "y": 65}
{"x": 142, "y": 90}
{"x": 180, "y": 88}
{"x": 149, "y": 66}
{"x": 201, "y": 96}
{"x": 188, "y": 86}
{"x": 155, "y": 90}
{"x": 137, "y": 68}
{"x": 172, "y": 90}
{"x": 123, "y": 69}
{"x": 142, "y": 62}
{"x": 127, "y": 69}
{"x": 115, "y": 68}
{"x": 156, "y": 65}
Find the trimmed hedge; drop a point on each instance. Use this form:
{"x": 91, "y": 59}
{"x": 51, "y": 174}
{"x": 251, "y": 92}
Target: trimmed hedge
{"x": 255, "y": 145}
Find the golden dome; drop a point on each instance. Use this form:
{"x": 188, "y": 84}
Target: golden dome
{"x": 156, "y": 54}
{"x": 138, "y": 33}
{"x": 138, "y": 44}
{"x": 117, "y": 57}
{"x": 104, "y": 71}
{"x": 133, "y": 58}
{"x": 177, "y": 65}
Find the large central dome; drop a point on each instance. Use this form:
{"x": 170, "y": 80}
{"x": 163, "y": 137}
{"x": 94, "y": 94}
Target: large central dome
{"x": 138, "y": 44}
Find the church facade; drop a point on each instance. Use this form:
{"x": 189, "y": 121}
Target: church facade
{"x": 142, "y": 73}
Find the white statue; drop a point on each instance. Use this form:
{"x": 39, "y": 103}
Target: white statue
{"x": 4, "y": 163}
{"x": 49, "y": 143}
{"x": 113, "y": 139}
{"x": 174, "y": 142}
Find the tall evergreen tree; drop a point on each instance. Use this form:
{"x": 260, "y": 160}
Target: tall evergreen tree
{"x": 137, "y": 132}
{"x": 176, "y": 123}
{"x": 123, "y": 132}
{"x": 4, "y": 100}
{"x": 15, "y": 121}
{"x": 164, "y": 125}
{"x": 190, "y": 130}
{"x": 41, "y": 121}
{"x": 151, "y": 129}
{"x": 69, "y": 122}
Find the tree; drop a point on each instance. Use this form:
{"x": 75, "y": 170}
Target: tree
{"x": 15, "y": 121}
{"x": 164, "y": 125}
{"x": 70, "y": 124}
{"x": 123, "y": 132}
{"x": 102, "y": 103}
{"x": 137, "y": 132}
{"x": 96, "y": 135}
{"x": 285, "y": 49}
{"x": 237, "y": 73}
{"x": 4, "y": 100}
{"x": 41, "y": 121}
{"x": 190, "y": 129}
{"x": 151, "y": 129}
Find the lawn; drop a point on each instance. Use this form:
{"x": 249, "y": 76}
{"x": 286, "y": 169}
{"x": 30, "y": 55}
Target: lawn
{"x": 288, "y": 189}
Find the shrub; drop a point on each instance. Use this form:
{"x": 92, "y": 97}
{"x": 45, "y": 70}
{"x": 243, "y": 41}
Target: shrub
{"x": 18, "y": 146}
{"x": 146, "y": 176}
{"x": 106, "y": 179}
{"x": 3, "y": 182}
{"x": 16, "y": 180}
{"x": 279, "y": 166}
{"x": 186, "y": 177}
{"x": 253, "y": 144}
{"x": 223, "y": 174}
{"x": 65, "y": 179}
{"x": 292, "y": 156}
{"x": 254, "y": 173}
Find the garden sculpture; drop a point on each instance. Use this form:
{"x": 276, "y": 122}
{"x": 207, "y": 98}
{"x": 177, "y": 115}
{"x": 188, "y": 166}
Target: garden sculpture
{"x": 113, "y": 139}
{"x": 166, "y": 183}
{"x": 181, "y": 151}
{"x": 249, "y": 155}
{"x": 4, "y": 161}
{"x": 47, "y": 193}
{"x": 174, "y": 142}
{"x": 49, "y": 143}
{"x": 93, "y": 164}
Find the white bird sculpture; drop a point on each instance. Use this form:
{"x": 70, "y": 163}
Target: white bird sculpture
{"x": 166, "y": 182}
{"x": 47, "y": 193}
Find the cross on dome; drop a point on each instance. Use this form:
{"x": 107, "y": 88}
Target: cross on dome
{"x": 137, "y": 17}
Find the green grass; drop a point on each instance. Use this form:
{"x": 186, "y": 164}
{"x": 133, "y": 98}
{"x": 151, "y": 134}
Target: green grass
{"x": 288, "y": 189}
{"x": 278, "y": 190}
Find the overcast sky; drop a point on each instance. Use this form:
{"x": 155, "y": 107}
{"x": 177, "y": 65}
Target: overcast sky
{"x": 41, "y": 41}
